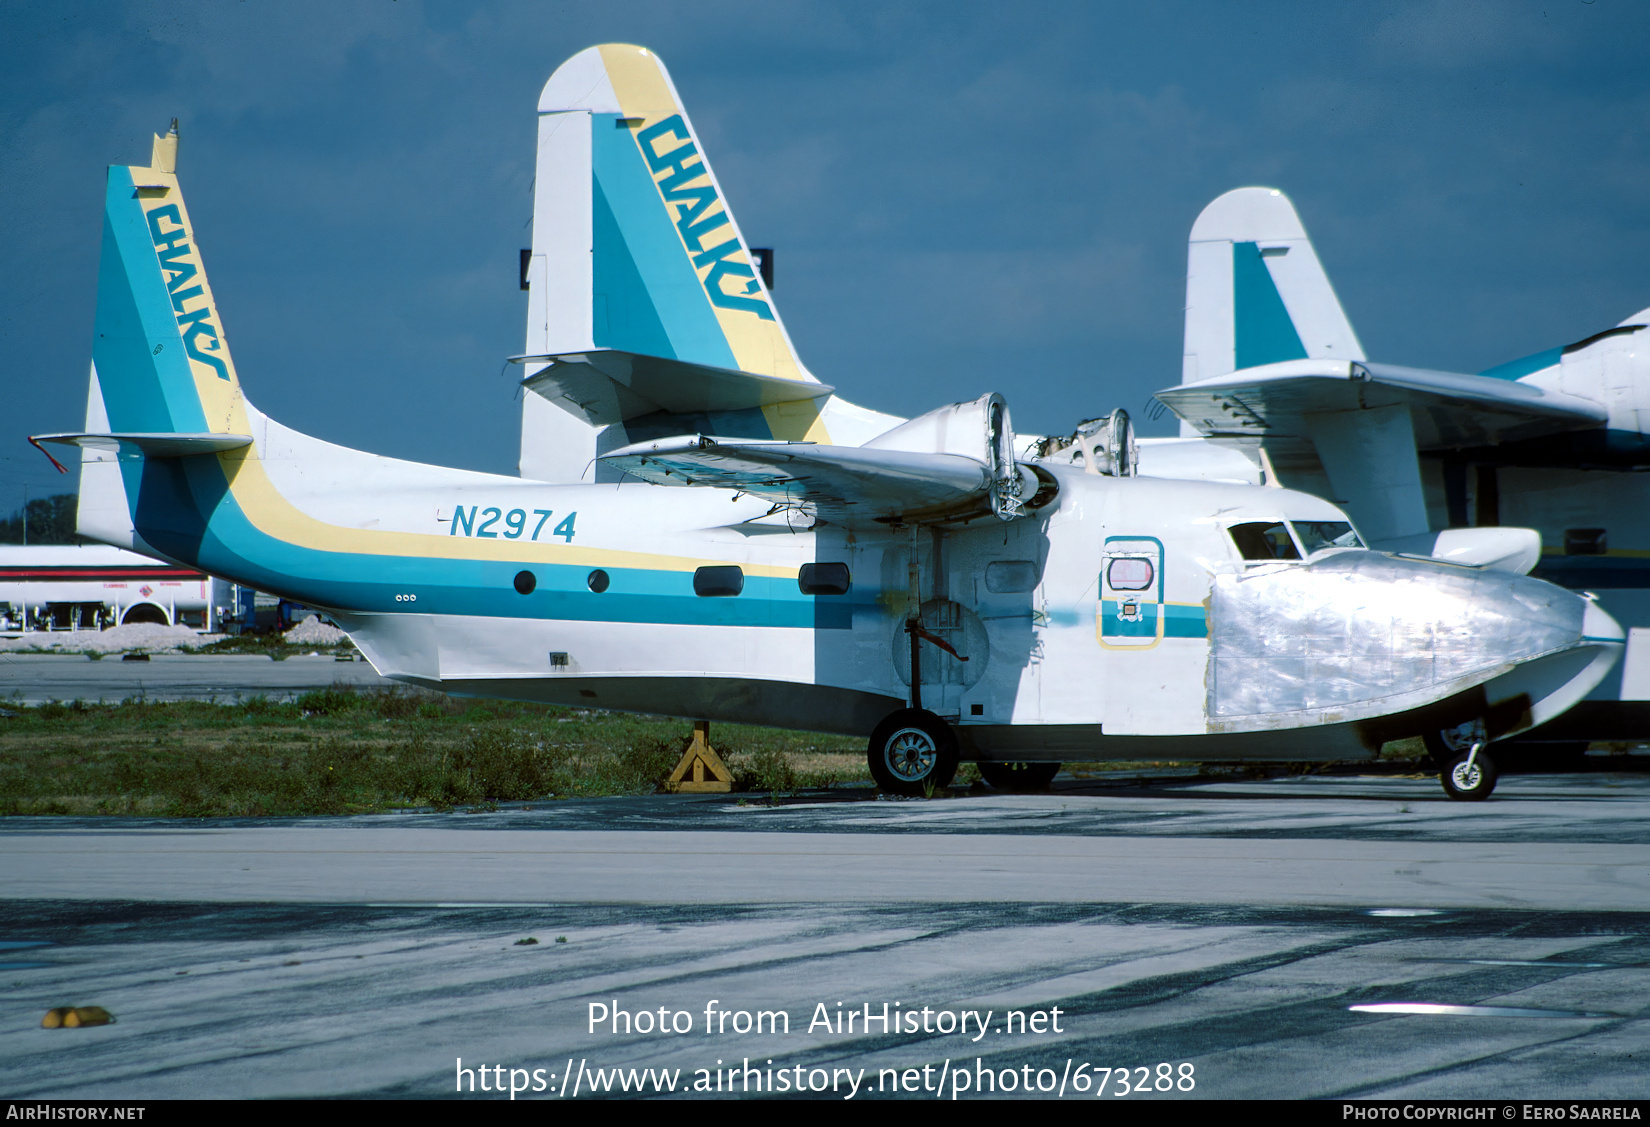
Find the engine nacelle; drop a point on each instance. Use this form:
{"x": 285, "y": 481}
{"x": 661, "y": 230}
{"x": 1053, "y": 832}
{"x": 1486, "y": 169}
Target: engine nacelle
{"x": 980, "y": 430}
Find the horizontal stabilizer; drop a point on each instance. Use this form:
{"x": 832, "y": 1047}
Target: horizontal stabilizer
{"x": 605, "y": 386}
{"x": 151, "y": 445}
{"x": 845, "y": 484}
{"x": 1449, "y": 409}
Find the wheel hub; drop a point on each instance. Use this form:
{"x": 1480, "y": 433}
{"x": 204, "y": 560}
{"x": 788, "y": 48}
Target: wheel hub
{"x": 911, "y": 754}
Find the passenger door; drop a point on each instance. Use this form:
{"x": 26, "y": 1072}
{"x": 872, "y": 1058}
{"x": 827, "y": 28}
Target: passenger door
{"x": 1131, "y": 614}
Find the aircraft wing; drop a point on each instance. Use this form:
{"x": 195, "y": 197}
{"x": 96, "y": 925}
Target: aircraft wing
{"x": 1449, "y": 409}
{"x": 844, "y": 484}
{"x": 605, "y": 386}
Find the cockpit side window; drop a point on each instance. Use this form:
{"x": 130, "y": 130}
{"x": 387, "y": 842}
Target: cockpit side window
{"x": 1264, "y": 540}
{"x": 1318, "y": 534}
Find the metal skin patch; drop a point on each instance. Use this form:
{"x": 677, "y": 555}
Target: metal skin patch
{"x": 1356, "y": 631}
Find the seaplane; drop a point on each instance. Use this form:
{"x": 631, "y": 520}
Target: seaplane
{"x": 705, "y": 530}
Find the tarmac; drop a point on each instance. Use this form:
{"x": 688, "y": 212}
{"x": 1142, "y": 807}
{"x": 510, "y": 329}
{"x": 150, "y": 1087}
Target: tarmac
{"x": 1345, "y": 938}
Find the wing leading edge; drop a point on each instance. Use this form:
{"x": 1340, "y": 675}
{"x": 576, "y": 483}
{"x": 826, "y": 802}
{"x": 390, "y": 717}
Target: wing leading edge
{"x": 844, "y": 484}
{"x": 1450, "y": 409}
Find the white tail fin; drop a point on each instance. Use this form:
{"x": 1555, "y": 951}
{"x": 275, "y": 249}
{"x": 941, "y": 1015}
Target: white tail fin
{"x": 1255, "y": 290}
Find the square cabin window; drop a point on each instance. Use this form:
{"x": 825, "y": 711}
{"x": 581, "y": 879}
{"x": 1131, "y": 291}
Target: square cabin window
{"x": 823, "y": 579}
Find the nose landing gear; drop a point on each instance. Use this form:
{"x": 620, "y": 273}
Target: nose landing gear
{"x": 1464, "y": 767}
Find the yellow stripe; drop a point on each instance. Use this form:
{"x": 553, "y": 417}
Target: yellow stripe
{"x": 272, "y": 514}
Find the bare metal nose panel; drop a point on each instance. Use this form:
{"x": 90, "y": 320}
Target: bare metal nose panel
{"x": 1359, "y": 634}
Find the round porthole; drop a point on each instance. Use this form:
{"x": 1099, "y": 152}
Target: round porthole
{"x": 525, "y": 582}
{"x": 597, "y": 580}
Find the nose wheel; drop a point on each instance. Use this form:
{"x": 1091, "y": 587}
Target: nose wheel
{"x": 1464, "y": 766}
{"x": 912, "y": 753}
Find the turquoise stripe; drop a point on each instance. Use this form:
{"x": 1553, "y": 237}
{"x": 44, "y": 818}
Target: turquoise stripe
{"x": 623, "y": 316}
{"x": 1179, "y": 621}
{"x": 1518, "y": 369}
{"x": 1186, "y": 622}
{"x": 669, "y": 286}
{"x": 1263, "y": 330}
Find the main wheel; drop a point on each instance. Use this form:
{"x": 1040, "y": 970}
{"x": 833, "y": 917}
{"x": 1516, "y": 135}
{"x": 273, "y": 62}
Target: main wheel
{"x": 1468, "y": 784}
{"x": 1021, "y": 778}
{"x": 912, "y": 752}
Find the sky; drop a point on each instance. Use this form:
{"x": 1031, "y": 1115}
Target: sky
{"x": 963, "y": 197}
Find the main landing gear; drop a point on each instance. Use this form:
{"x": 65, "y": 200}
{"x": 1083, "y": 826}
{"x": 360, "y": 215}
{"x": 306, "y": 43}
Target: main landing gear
{"x": 1464, "y": 766}
{"x": 912, "y": 753}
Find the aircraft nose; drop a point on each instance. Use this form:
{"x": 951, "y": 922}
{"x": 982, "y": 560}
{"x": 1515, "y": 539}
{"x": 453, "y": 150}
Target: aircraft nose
{"x": 1598, "y": 626}
{"x": 1357, "y": 635}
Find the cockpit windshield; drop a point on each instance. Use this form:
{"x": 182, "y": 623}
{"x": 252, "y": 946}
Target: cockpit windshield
{"x": 1317, "y": 534}
{"x": 1271, "y": 540}
{"x": 1264, "y": 540}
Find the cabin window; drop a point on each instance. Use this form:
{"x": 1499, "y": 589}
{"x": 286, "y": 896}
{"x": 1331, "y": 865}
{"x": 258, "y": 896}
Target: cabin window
{"x": 720, "y": 580}
{"x": 1318, "y": 534}
{"x": 526, "y": 581}
{"x": 1264, "y": 540}
{"x": 1004, "y": 577}
{"x": 824, "y": 579}
{"x": 1130, "y": 573}
{"x": 597, "y": 581}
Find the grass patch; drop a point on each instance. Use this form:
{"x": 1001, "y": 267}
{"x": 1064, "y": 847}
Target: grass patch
{"x": 343, "y": 751}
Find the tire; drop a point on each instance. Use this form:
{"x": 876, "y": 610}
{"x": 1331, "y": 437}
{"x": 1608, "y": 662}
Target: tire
{"x": 1021, "y": 778}
{"x": 912, "y": 753}
{"x": 1464, "y": 785}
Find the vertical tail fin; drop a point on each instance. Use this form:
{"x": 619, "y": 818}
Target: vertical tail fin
{"x": 1256, "y": 294}
{"x": 160, "y": 363}
{"x": 159, "y": 354}
{"x": 1255, "y": 290}
{"x": 634, "y": 247}
{"x": 635, "y": 250}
